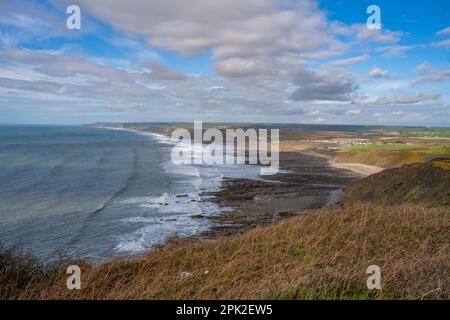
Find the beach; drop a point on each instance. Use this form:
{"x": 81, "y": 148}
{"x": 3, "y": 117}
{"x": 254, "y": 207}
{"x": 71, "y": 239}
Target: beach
{"x": 286, "y": 236}
{"x": 306, "y": 182}
{"x": 123, "y": 194}
{"x": 362, "y": 169}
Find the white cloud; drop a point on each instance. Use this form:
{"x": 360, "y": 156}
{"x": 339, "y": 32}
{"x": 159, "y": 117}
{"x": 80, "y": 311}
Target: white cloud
{"x": 359, "y": 32}
{"x": 445, "y": 43}
{"x": 379, "y": 73}
{"x": 399, "y": 99}
{"x": 326, "y": 84}
{"x": 444, "y": 32}
{"x": 229, "y": 28}
{"x": 350, "y": 61}
{"x": 8, "y": 40}
{"x": 261, "y": 51}
{"x": 238, "y": 67}
{"x": 422, "y": 68}
{"x": 382, "y": 36}
{"x": 396, "y": 50}
{"x": 433, "y": 75}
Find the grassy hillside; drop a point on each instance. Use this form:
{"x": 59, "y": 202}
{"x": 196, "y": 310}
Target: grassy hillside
{"x": 394, "y": 154}
{"x": 427, "y": 184}
{"x": 322, "y": 255}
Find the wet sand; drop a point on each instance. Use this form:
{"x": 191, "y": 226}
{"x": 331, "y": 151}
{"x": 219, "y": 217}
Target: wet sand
{"x": 362, "y": 169}
{"x": 310, "y": 183}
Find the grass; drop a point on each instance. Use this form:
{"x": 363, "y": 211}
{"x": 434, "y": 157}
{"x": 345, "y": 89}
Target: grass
{"x": 427, "y": 184}
{"x": 386, "y": 151}
{"x": 322, "y": 255}
{"x": 17, "y": 270}
{"x": 392, "y": 154}
{"x": 383, "y": 159}
{"x": 443, "y": 165}
{"x": 387, "y": 147}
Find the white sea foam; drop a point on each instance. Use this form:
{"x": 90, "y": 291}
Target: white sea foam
{"x": 145, "y": 236}
{"x": 171, "y": 213}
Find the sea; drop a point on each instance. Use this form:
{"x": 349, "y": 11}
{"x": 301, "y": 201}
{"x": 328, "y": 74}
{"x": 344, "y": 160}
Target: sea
{"x": 98, "y": 193}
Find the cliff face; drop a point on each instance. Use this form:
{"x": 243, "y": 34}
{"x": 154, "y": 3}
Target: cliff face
{"x": 422, "y": 183}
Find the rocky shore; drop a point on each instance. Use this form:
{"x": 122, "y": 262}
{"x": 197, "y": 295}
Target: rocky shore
{"x": 306, "y": 182}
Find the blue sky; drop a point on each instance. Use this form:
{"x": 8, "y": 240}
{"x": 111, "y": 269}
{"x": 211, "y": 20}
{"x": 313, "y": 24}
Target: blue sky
{"x": 301, "y": 61}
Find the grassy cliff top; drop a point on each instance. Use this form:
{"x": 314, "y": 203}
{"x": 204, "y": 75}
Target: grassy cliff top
{"x": 420, "y": 183}
{"x": 322, "y": 255}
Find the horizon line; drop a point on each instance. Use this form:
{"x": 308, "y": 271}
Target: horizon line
{"x": 232, "y": 122}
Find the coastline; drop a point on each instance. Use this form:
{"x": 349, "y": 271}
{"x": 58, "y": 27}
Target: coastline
{"x": 307, "y": 180}
{"x": 253, "y": 252}
{"x": 361, "y": 169}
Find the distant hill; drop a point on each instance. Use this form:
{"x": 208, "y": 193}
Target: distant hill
{"x": 421, "y": 183}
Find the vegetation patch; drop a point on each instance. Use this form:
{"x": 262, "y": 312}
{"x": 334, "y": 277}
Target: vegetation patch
{"x": 393, "y": 155}
{"x": 322, "y": 255}
{"x": 442, "y": 164}
{"x": 427, "y": 184}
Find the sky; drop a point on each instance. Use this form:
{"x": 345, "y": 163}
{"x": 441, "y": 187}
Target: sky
{"x": 279, "y": 61}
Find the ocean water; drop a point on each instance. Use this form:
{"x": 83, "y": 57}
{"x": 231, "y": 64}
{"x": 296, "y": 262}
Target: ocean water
{"x": 96, "y": 193}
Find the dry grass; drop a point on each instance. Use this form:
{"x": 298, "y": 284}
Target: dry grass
{"x": 427, "y": 184}
{"x": 323, "y": 255}
{"x": 393, "y": 155}
{"x": 443, "y": 165}
{"x": 379, "y": 158}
